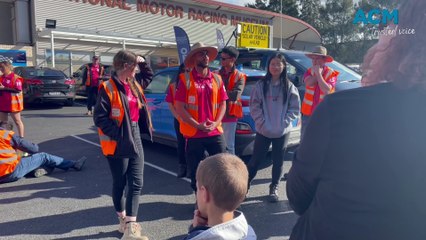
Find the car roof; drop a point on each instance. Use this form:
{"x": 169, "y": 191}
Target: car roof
{"x": 38, "y": 68}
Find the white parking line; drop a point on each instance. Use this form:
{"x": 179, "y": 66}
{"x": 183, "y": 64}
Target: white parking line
{"x": 79, "y": 104}
{"x": 147, "y": 163}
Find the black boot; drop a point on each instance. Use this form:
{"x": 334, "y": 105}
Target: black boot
{"x": 273, "y": 193}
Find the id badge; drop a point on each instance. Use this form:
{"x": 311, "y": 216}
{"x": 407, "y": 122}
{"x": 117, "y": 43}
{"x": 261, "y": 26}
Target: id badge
{"x": 115, "y": 112}
{"x": 191, "y": 99}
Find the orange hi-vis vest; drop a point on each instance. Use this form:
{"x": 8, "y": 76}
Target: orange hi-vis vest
{"x": 89, "y": 74}
{"x": 117, "y": 114}
{"x": 191, "y": 104}
{"x": 308, "y": 99}
{"x": 172, "y": 89}
{"x": 235, "y": 108}
{"x": 8, "y": 156}
{"x": 17, "y": 103}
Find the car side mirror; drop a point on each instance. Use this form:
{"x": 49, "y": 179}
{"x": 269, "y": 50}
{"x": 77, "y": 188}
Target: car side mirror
{"x": 76, "y": 75}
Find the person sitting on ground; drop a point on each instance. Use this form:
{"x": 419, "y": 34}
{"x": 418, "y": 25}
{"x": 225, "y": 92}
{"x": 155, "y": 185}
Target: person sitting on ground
{"x": 13, "y": 167}
{"x": 222, "y": 185}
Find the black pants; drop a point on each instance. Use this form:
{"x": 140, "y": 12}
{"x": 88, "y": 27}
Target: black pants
{"x": 181, "y": 143}
{"x": 195, "y": 152}
{"x": 130, "y": 171}
{"x": 261, "y": 147}
{"x": 92, "y": 95}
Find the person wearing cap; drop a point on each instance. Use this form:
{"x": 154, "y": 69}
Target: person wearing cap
{"x": 11, "y": 98}
{"x": 320, "y": 80}
{"x": 14, "y": 167}
{"x": 201, "y": 104}
{"x": 92, "y": 75}
{"x": 234, "y": 82}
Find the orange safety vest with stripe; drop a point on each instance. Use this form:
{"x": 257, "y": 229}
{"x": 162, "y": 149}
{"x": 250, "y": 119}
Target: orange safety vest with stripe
{"x": 172, "y": 90}
{"x": 116, "y": 114}
{"x": 89, "y": 74}
{"x": 235, "y": 108}
{"x": 17, "y": 99}
{"x": 8, "y": 155}
{"x": 191, "y": 104}
{"x": 308, "y": 99}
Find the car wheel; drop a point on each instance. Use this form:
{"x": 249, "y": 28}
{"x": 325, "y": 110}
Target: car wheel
{"x": 69, "y": 102}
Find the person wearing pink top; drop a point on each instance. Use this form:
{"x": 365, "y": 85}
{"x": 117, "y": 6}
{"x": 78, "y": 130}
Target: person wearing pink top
{"x": 206, "y": 131}
{"x": 92, "y": 74}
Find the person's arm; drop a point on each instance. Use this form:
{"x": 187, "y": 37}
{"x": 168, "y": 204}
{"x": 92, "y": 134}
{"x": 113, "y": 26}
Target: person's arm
{"x": 236, "y": 92}
{"x": 173, "y": 110}
{"x": 322, "y": 84}
{"x": 6, "y": 89}
{"x": 84, "y": 75}
{"x": 185, "y": 116}
{"x": 304, "y": 175}
{"x": 101, "y": 116}
{"x": 256, "y": 110}
{"x": 293, "y": 109}
{"x": 309, "y": 79}
{"x": 24, "y": 145}
{"x": 144, "y": 77}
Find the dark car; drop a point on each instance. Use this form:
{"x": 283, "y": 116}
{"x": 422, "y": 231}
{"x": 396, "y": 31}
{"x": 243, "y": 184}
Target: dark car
{"x": 78, "y": 78}
{"x": 46, "y": 85}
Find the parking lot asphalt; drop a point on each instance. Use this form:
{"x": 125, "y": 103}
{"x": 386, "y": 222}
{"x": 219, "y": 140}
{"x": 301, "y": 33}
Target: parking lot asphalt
{"x": 78, "y": 205}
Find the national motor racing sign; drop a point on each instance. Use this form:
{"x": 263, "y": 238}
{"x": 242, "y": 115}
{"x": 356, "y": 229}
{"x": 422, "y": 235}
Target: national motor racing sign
{"x": 253, "y": 35}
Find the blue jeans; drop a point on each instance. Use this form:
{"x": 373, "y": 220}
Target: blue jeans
{"x": 229, "y": 129}
{"x": 28, "y": 164}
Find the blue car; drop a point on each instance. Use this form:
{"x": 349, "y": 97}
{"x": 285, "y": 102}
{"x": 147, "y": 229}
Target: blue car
{"x": 254, "y": 64}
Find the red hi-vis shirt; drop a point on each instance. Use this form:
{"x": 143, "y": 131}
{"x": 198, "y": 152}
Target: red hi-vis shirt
{"x": 9, "y": 81}
{"x": 95, "y": 75}
{"x": 204, "y": 86}
{"x": 331, "y": 83}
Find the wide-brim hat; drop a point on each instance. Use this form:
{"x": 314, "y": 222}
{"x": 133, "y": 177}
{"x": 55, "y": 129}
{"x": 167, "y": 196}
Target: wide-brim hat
{"x": 320, "y": 51}
{"x": 196, "y": 48}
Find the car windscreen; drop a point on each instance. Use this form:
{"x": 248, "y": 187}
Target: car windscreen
{"x": 346, "y": 74}
{"x": 246, "y": 60}
{"x": 43, "y": 74}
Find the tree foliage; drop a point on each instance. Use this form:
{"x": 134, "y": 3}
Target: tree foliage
{"x": 289, "y": 7}
{"x": 310, "y": 12}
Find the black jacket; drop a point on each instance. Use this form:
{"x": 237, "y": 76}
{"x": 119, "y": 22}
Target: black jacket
{"x": 359, "y": 172}
{"x": 144, "y": 77}
{"x": 123, "y": 135}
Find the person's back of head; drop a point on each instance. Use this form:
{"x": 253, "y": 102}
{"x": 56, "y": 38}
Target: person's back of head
{"x": 399, "y": 57}
{"x": 225, "y": 176}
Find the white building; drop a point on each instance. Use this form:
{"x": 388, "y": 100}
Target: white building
{"x": 103, "y": 27}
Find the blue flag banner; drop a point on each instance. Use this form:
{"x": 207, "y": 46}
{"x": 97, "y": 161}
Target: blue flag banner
{"x": 220, "y": 40}
{"x": 182, "y": 42}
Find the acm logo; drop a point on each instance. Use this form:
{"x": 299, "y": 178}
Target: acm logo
{"x": 376, "y": 16}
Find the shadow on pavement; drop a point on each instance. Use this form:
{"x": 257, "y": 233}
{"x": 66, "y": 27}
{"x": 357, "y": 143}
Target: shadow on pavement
{"x": 270, "y": 217}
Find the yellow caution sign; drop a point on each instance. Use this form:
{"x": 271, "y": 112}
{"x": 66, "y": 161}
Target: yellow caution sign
{"x": 253, "y": 35}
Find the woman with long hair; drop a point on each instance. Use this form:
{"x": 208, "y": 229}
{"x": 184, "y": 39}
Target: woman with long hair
{"x": 359, "y": 172}
{"x": 120, "y": 112}
{"x": 11, "y": 98}
{"x": 274, "y": 104}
